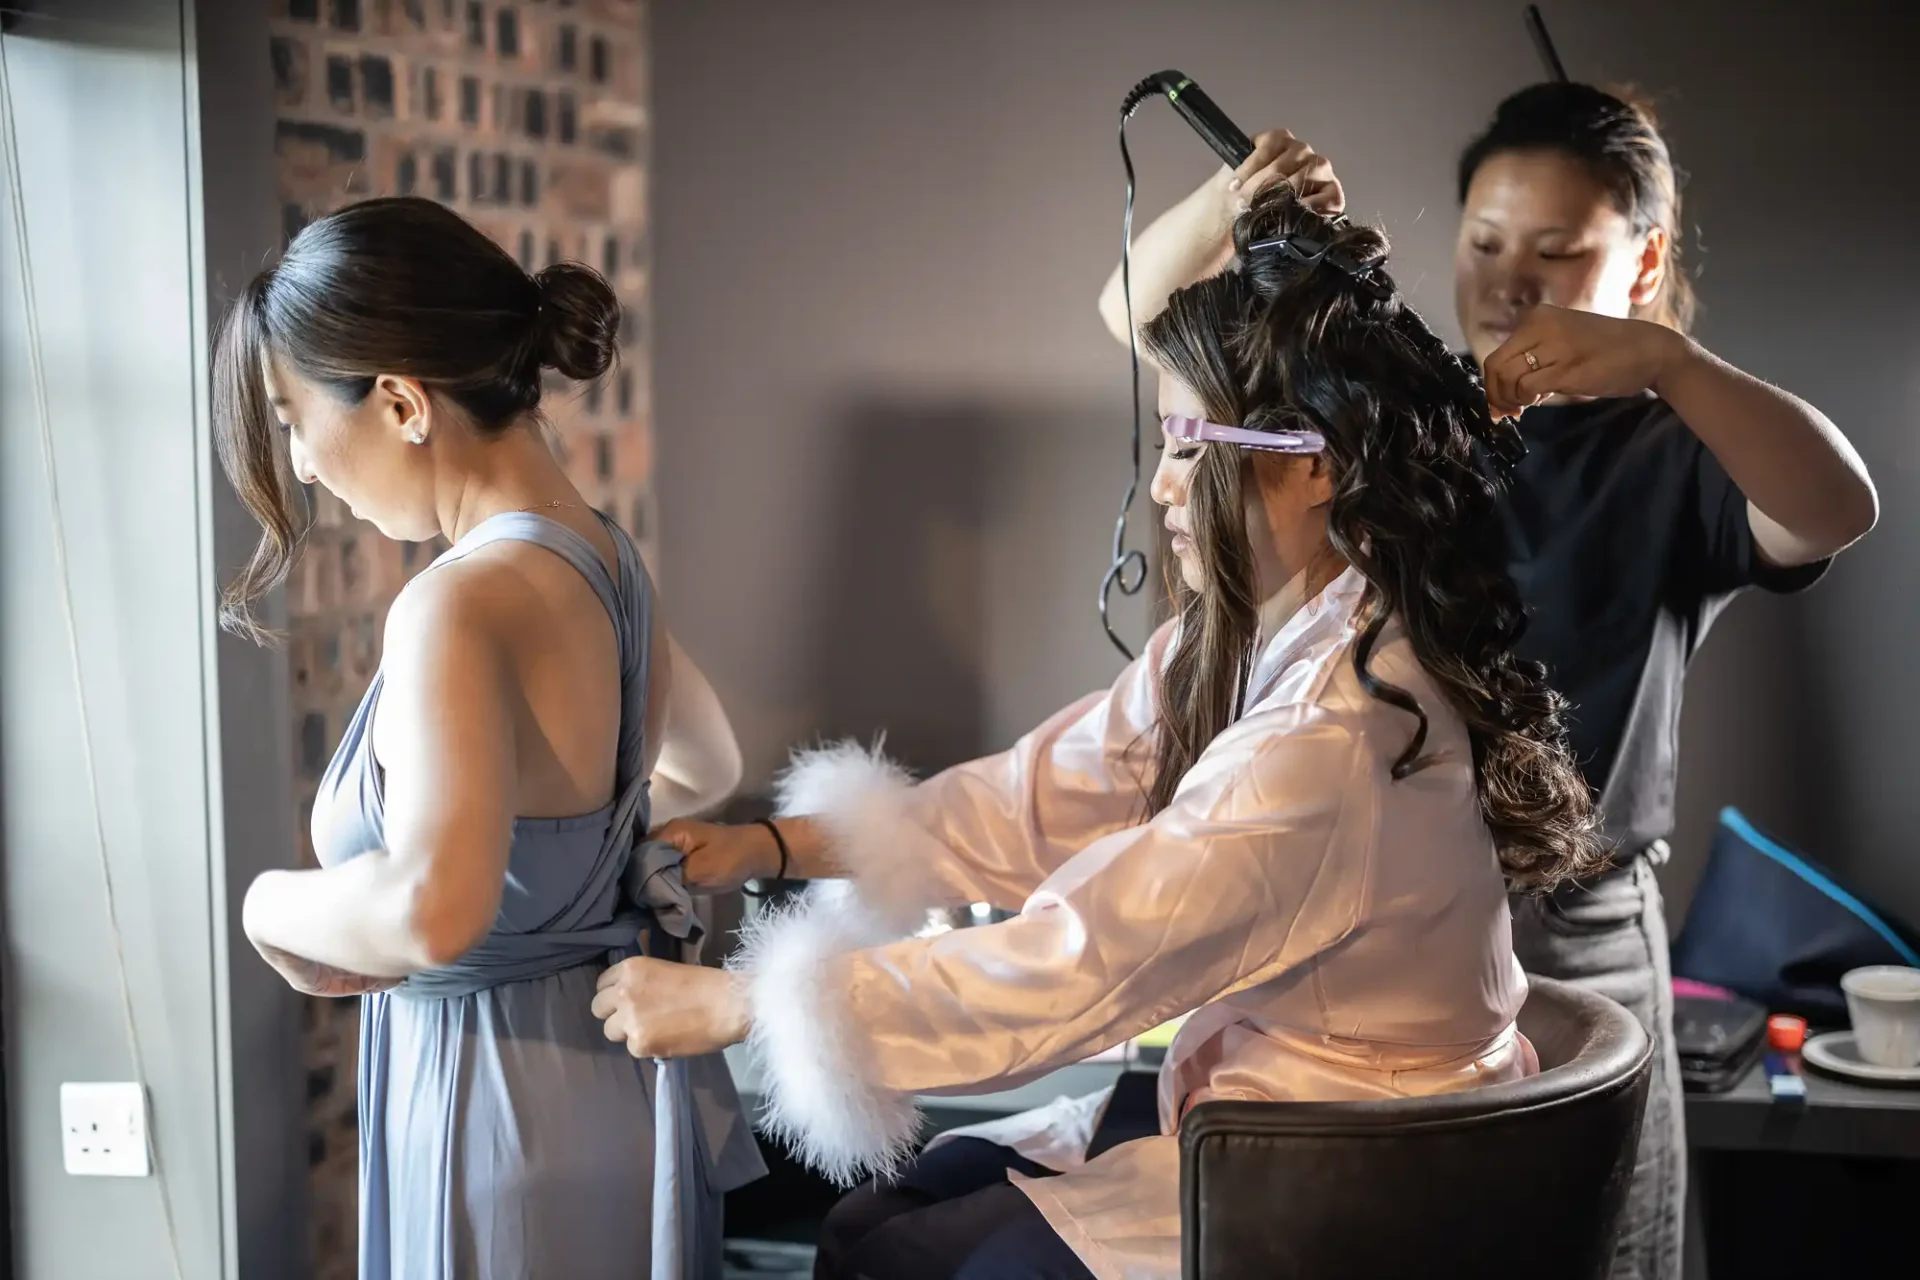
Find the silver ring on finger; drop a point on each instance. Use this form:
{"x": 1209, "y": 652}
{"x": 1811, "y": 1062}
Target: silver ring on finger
{"x": 1533, "y": 361}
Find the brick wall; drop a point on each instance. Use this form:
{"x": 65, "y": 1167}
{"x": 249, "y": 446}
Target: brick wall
{"x": 530, "y": 119}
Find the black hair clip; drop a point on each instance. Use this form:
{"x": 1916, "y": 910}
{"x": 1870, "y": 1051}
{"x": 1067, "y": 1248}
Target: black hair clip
{"x": 1307, "y": 250}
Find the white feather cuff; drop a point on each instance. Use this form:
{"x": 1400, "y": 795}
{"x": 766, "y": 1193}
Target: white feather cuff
{"x": 805, "y": 1046}
{"x": 863, "y": 801}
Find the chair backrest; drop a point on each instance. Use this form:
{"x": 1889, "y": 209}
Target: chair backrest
{"x": 1526, "y": 1178}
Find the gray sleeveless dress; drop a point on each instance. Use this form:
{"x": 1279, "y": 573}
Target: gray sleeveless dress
{"x": 502, "y": 1136}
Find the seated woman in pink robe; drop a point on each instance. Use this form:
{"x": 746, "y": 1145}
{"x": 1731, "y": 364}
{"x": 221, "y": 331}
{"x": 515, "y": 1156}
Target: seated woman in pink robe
{"x": 1296, "y": 815}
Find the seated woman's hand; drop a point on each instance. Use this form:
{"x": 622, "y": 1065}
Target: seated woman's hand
{"x": 667, "y": 1010}
{"x": 721, "y": 857}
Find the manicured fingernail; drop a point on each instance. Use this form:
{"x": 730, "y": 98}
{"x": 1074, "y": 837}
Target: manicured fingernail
{"x": 1234, "y": 185}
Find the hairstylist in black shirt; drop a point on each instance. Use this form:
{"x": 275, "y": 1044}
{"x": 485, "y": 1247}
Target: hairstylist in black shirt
{"x": 1659, "y": 482}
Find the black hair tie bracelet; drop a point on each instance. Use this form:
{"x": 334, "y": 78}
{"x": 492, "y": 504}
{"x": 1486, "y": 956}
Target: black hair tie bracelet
{"x": 780, "y": 841}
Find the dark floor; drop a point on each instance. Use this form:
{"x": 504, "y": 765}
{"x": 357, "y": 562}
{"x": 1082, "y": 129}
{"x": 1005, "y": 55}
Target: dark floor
{"x": 772, "y": 1223}
{"x": 759, "y": 1259}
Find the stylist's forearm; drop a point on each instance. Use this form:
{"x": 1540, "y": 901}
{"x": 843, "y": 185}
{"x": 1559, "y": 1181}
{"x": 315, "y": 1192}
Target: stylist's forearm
{"x": 1790, "y": 461}
{"x": 1183, "y": 245}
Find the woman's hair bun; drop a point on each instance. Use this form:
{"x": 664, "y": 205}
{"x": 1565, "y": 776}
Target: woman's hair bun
{"x": 579, "y": 321}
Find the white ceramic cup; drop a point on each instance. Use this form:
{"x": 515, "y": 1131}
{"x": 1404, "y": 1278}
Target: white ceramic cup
{"x": 1884, "y": 1003}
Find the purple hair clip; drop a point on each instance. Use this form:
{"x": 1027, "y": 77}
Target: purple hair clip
{"x": 1199, "y": 430}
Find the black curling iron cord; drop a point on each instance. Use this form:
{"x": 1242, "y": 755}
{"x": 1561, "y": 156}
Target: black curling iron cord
{"x": 1128, "y": 570}
{"x": 1543, "y": 44}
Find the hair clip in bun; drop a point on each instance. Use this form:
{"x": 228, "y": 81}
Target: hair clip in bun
{"x": 1307, "y": 250}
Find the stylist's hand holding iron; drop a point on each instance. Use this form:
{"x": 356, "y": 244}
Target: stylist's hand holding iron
{"x": 1278, "y": 156}
{"x": 1194, "y": 239}
{"x": 1580, "y": 355}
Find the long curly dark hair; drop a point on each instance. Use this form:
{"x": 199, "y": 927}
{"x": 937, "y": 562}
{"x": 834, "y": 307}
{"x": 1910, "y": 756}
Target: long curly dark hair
{"x": 1328, "y": 345}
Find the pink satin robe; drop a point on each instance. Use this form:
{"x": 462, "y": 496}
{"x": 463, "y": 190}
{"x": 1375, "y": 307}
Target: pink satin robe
{"x": 1335, "y": 933}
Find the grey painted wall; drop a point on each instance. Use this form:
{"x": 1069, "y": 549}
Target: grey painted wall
{"x": 891, "y": 429}
{"x": 188, "y": 731}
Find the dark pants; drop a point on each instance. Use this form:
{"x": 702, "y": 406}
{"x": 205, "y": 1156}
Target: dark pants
{"x": 1611, "y": 937}
{"x": 952, "y": 1216}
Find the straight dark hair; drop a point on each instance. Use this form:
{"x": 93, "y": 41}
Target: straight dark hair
{"x": 1274, "y": 343}
{"x": 1617, "y": 137}
{"x": 393, "y": 286}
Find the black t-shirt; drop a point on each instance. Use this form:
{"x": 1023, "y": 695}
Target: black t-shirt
{"x": 1626, "y": 538}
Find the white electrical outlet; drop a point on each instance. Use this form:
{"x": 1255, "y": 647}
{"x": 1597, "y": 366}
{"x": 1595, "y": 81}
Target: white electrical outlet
{"x": 103, "y": 1130}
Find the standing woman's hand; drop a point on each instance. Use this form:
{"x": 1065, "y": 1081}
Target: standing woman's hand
{"x": 310, "y": 977}
{"x": 1579, "y": 355}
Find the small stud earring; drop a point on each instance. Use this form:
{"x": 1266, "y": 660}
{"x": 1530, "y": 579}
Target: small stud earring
{"x": 418, "y": 437}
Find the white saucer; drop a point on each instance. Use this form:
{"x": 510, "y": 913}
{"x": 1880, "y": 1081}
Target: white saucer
{"x": 1836, "y": 1052}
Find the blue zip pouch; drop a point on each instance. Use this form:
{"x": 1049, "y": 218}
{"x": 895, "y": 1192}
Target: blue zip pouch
{"x": 1775, "y": 926}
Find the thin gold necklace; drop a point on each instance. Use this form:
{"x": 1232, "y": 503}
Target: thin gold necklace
{"x": 538, "y": 506}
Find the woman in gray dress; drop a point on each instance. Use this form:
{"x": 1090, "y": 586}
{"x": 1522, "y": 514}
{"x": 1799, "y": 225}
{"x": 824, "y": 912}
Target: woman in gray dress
{"x": 482, "y": 827}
